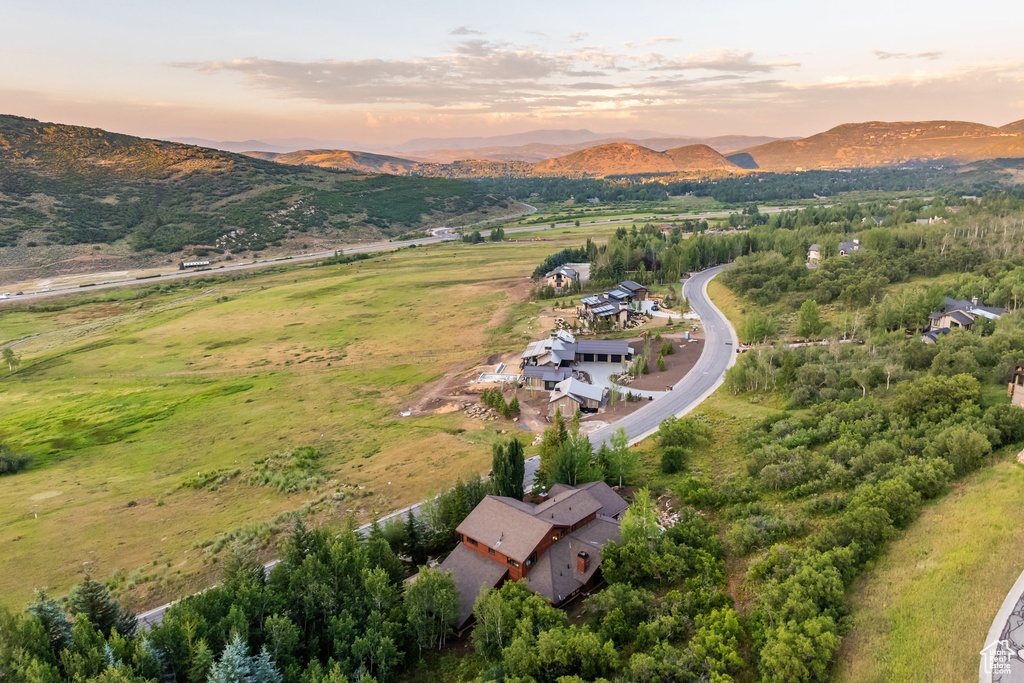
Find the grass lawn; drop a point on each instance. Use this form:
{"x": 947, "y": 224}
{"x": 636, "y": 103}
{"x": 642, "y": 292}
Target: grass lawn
{"x": 923, "y": 611}
{"x": 122, "y": 400}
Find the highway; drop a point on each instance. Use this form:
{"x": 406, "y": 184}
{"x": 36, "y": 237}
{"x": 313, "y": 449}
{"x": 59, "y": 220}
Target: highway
{"x": 717, "y": 356}
{"x": 440, "y": 235}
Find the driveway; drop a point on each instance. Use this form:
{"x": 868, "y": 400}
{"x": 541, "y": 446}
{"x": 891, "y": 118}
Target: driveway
{"x": 646, "y": 307}
{"x": 601, "y": 375}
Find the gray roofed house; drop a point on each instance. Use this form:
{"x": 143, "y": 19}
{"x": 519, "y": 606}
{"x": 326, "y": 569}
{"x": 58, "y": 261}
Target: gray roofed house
{"x": 845, "y": 249}
{"x": 612, "y": 504}
{"x": 574, "y": 387}
{"x": 959, "y": 313}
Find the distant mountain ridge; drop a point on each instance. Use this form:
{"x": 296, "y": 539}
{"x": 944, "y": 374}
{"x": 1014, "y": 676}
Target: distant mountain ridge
{"x": 881, "y": 143}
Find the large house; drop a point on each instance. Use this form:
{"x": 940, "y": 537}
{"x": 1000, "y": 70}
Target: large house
{"x": 561, "y": 350}
{"x": 555, "y": 547}
{"x": 566, "y": 276}
{"x": 845, "y": 248}
{"x": 958, "y": 313}
{"x": 612, "y": 305}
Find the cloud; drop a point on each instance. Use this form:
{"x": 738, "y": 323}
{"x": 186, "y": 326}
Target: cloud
{"x": 929, "y": 54}
{"x": 646, "y": 42}
{"x": 719, "y": 60}
{"x": 465, "y": 31}
{"x": 577, "y": 37}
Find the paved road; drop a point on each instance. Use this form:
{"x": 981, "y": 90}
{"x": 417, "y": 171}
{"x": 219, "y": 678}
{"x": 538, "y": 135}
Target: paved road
{"x": 719, "y": 354}
{"x": 440, "y": 235}
{"x": 1002, "y": 658}
{"x": 708, "y": 373}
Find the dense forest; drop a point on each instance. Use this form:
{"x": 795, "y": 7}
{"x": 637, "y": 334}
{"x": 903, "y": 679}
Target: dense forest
{"x": 976, "y": 179}
{"x": 72, "y": 185}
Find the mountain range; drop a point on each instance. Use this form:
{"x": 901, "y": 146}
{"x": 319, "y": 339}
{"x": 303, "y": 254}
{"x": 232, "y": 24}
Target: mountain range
{"x": 852, "y": 145}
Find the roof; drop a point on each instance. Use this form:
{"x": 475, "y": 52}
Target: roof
{"x": 471, "y": 572}
{"x": 612, "y": 504}
{"x": 568, "y": 507}
{"x": 815, "y": 247}
{"x": 631, "y": 286}
{"x": 565, "y": 270}
{"x": 577, "y": 389}
{"x": 547, "y": 373}
{"x": 849, "y": 246}
{"x": 617, "y": 346}
{"x": 563, "y": 351}
{"x": 555, "y": 575}
{"x": 494, "y": 516}
{"x": 619, "y": 294}
{"x": 961, "y": 317}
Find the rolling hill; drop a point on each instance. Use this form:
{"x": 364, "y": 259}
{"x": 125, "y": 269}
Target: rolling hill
{"x": 68, "y": 185}
{"x": 342, "y": 160}
{"x": 879, "y": 143}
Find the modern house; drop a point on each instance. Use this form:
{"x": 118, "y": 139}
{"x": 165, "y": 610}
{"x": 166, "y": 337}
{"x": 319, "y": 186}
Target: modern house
{"x": 566, "y": 276}
{"x": 612, "y": 305}
{"x": 562, "y": 350}
{"x": 571, "y": 395}
{"x": 958, "y": 313}
{"x": 845, "y": 248}
{"x": 555, "y": 547}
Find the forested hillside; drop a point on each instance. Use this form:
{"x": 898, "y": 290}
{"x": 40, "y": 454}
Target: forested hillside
{"x": 64, "y": 184}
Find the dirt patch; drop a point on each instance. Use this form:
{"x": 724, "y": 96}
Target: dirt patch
{"x": 676, "y": 365}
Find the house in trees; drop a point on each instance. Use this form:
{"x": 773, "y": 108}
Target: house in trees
{"x": 565, "y": 277}
{"x": 554, "y": 547}
{"x": 958, "y": 313}
{"x": 845, "y": 249}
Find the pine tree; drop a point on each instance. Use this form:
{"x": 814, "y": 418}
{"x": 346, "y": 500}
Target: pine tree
{"x": 499, "y": 469}
{"x": 415, "y": 541}
{"x": 93, "y": 599}
{"x": 241, "y": 564}
{"x": 263, "y": 668}
{"x": 516, "y": 472}
{"x": 235, "y": 665}
{"x": 513, "y": 406}
{"x": 51, "y": 615}
{"x": 299, "y": 544}
{"x": 575, "y": 425}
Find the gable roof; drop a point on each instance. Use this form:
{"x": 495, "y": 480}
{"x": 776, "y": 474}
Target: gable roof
{"x": 574, "y": 388}
{"x": 567, "y": 508}
{"x": 612, "y": 504}
{"x": 556, "y": 575}
{"x": 505, "y": 527}
{"x": 614, "y": 346}
{"x": 631, "y": 286}
{"x": 471, "y": 572}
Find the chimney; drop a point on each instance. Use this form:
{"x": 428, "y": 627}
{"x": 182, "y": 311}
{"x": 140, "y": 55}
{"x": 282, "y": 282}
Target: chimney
{"x": 974, "y": 300}
{"x": 582, "y": 562}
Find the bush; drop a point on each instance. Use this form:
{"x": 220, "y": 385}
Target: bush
{"x": 11, "y": 462}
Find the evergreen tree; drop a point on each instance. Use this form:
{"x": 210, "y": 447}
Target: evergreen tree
{"x": 263, "y": 668}
{"x": 513, "y": 406}
{"x": 235, "y": 665}
{"x": 93, "y": 599}
{"x": 575, "y": 425}
{"x": 415, "y": 540}
{"x": 241, "y": 564}
{"x": 509, "y": 469}
{"x": 51, "y": 616}
{"x": 552, "y": 439}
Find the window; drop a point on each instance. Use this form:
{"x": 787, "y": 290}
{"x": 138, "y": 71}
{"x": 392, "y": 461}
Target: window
{"x": 512, "y": 563}
{"x": 532, "y": 559}
{"x": 490, "y": 551}
{"x": 471, "y": 541}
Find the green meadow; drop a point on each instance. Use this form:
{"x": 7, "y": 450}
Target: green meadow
{"x": 147, "y": 410}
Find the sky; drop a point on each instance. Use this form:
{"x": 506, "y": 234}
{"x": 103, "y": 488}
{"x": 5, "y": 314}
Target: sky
{"x": 379, "y": 73}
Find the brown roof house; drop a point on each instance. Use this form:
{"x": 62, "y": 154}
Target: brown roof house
{"x": 555, "y": 547}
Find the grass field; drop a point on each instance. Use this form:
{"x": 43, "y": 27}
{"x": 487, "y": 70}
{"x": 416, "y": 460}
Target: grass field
{"x": 123, "y": 400}
{"x": 922, "y": 613}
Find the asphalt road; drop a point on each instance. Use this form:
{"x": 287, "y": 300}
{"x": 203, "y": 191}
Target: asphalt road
{"x": 718, "y": 355}
{"x": 440, "y": 235}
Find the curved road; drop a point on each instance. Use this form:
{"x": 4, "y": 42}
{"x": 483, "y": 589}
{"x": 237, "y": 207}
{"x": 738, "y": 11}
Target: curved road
{"x": 718, "y": 355}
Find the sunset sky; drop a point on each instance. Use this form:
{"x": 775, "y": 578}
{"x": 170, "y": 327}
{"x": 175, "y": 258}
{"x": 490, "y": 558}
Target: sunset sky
{"x": 386, "y": 71}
